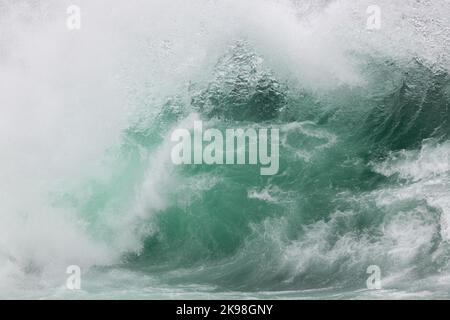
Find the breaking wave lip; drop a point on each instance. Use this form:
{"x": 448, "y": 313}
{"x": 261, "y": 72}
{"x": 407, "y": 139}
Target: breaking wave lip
{"x": 431, "y": 161}
{"x": 346, "y": 198}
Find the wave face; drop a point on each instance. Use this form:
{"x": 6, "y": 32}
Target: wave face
{"x": 364, "y": 120}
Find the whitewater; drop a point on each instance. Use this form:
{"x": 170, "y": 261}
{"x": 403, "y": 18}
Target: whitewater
{"x": 86, "y": 176}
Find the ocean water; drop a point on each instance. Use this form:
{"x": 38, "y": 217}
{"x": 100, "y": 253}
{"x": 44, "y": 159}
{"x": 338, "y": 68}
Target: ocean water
{"x": 86, "y": 177}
